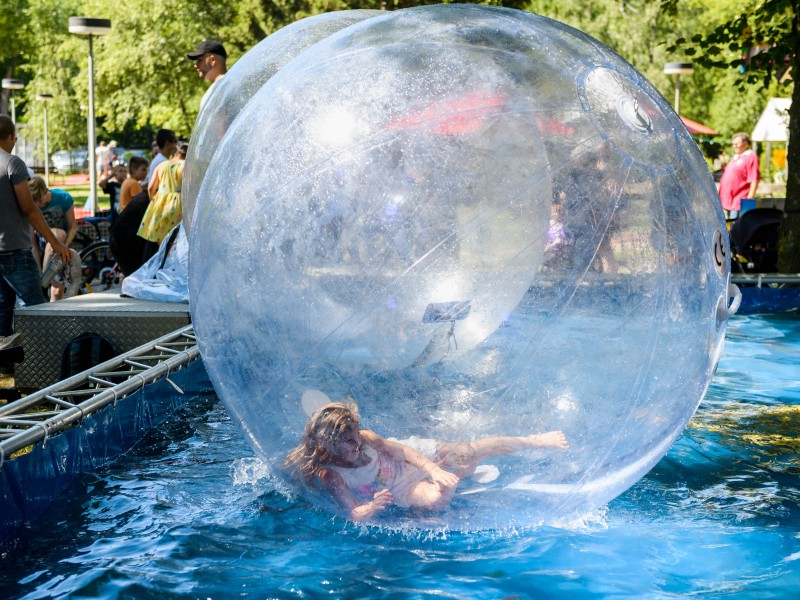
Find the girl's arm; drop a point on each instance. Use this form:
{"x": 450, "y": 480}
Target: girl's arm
{"x": 72, "y": 228}
{"x": 334, "y": 484}
{"x": 405, "y": 453}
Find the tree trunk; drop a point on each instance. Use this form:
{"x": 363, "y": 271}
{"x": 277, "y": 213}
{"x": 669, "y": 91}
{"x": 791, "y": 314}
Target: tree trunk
{"x": 789, "y": 245}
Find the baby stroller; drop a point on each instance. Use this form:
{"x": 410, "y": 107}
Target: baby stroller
{"x": 754, "y": 241}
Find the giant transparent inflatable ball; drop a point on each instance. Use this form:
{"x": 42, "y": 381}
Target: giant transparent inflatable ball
{"x": 230, "y": 94}
{"x": 473, "y": 222}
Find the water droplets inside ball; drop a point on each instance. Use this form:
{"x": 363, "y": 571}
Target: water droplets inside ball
{"x": 473, "y": 222}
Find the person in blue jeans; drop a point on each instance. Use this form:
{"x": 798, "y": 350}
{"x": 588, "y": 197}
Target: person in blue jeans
{"x": 19, "y": 273}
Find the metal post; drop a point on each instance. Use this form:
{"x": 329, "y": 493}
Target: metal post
{"x": 44, "y": 99}
{"x": 678, "y": 69}
{"x": 11, "y": 85}
{"x": 46, "y": 150}
{"x": 91, "y": 27}
{"x": 92, "y": 200}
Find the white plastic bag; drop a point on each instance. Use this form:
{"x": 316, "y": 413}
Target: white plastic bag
{"x": 165, "y": 277}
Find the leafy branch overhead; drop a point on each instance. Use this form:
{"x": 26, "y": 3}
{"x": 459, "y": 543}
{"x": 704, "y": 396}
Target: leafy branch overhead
{"x": 144, "y": 81}
{"x": 759, "y": 42}
{"x": 762, "y": 41}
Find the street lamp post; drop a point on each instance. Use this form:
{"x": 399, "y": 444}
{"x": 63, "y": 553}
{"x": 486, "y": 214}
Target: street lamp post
{"x": 678, "y": 69}
{"x": 44, "y": 99}
{"x": 13, "y": 84}
{"x": 91, "y": 27}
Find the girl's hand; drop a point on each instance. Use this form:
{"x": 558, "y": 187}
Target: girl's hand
{"x": 443, "y": 478}
{"x": 378, "y": 503}
{"x": 382, "y": 499}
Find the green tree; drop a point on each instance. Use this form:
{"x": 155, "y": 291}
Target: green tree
{"x": 639, "y": 30}
{"x": 54, "y": 68}
{"x": 772, "y": 26}
{"x": 142, "y": 74}
{"x": 16, "y": 44}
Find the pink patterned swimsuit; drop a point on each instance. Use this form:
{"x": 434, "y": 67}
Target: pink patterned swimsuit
{"x": 381, "y": 472}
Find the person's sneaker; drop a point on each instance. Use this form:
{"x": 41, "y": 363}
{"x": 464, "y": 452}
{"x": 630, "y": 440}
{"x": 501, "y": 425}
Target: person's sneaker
{"x": 9, "y": 340}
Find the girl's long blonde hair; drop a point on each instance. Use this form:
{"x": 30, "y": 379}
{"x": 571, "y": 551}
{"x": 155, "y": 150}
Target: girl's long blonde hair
{"x": 324, "y": 427}
{"x": 38, "y": 187}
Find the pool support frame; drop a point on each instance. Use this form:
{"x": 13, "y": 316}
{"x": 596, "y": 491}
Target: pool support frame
{"x": 113, "y": 398}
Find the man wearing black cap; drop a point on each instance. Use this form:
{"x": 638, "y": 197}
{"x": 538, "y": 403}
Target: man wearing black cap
{"x": 209, "y": 62}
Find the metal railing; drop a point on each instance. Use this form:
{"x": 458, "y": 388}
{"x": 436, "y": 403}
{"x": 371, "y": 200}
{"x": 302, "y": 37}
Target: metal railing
{"x": 51, "y": 410}
{"x": 762, "y": 278}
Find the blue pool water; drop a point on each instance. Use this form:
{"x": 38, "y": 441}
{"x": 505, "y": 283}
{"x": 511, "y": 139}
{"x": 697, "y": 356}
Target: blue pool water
{"x": 184, "y": 515}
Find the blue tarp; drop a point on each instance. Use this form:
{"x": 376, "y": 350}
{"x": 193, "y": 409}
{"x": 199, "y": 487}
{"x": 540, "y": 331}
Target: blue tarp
{"x": 765, "y": 299}
{"x": 29, "y": 484}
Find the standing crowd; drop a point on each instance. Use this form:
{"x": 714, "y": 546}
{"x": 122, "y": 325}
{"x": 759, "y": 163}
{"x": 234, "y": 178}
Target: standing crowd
{"x": 37, "y": 223}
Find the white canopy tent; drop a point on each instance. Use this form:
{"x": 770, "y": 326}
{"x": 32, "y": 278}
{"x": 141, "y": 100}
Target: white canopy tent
{"x": 773, "y": 126}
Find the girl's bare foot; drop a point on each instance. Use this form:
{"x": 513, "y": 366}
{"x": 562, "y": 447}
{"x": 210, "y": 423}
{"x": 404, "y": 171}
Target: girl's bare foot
{"x": 551, "y": 439}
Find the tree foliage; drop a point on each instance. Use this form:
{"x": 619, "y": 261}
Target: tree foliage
{"x": 14, "y": 47}
{"x": 761, "y": 44}
{"x": 144, "y": 81}
{"x": 57, "y": 75}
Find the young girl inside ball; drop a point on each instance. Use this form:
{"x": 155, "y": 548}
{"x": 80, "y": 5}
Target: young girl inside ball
{"x": 365, "y": 473}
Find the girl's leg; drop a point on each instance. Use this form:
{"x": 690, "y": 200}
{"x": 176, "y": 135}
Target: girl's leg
{"x": 48, "y": 254}
{"x": 56, "y": 288}
{"x": 464, "y": 457}
{"x": 429, "y": 496}
{"x": 461, "y": 457}
{"x": 61, "y": 236}
{"x": 497, "y": 446}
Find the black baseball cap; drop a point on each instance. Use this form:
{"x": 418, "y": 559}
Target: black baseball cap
{"x": 208, "y": 47}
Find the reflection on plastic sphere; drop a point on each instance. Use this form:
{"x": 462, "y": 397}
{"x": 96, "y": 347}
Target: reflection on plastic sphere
{"x": 473, "y": 221}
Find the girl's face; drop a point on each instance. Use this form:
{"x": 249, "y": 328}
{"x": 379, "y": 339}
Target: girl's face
{"x": 347, "y": 447}
{"x": 45, "y": 200}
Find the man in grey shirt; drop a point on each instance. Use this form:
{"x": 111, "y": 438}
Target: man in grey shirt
{"x": 19, "y": 273}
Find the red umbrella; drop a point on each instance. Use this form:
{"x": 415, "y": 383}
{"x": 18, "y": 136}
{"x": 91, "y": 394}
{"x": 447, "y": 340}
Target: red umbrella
{"x": 696, "y": 128}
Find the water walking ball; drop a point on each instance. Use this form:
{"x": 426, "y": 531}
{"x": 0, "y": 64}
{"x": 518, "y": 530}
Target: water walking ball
{"x": 471, "y": 221}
